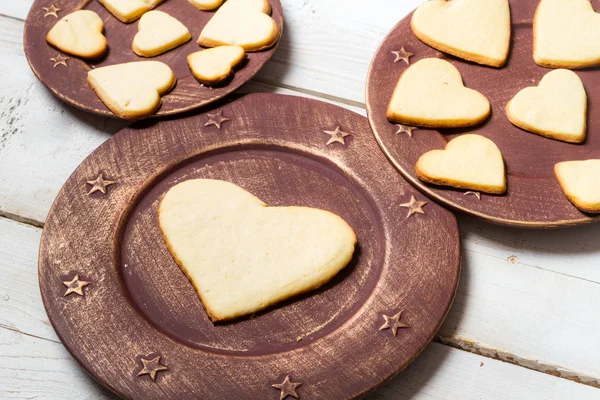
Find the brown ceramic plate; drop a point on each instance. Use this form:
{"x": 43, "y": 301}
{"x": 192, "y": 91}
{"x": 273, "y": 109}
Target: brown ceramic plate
{"x": 534, "y": 198}
{"x": 67, "y": 79}
{"x": 139, "y": 305}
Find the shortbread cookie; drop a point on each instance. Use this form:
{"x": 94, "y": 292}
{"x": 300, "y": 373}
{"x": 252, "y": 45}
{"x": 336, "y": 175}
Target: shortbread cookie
{"x": 476, "y": 30}
{"x": 132, "y": 90}
{"x": 556, "y": 108}
{"x": 243, "y": 23}
{"x": 242, "y": 256}
{"x": 580, "y": 180}
{"x": 468, "y": 162}
{"x": 159, "y": 33}
{"x": 213, "y": 66}
{"x": 430, "y": 93}
{"x": 206, "y": 4}
{"x": 129, "y": 10}
{"x": 566, "y": 34}
{"x": 79, "y": 34}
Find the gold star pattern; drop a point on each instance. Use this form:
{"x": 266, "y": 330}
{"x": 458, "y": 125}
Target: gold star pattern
{"x": 405, "y": 129}
{"x": 99, "y": 184}
{"x": 75, "y": 285}
{"x": 51, "y": 11}
{"x": 403, "y": 55}
{"x": 476, "y": 194}
{"x": 414, "y": 206}
{"x": 288, "y": 388}
{"x": 337, "y": 136}
{"x": 151, "y": 367}
{"x": 59, "y": 59}
{"x": 393, "y": 323}
{"x": 216, "y": 119}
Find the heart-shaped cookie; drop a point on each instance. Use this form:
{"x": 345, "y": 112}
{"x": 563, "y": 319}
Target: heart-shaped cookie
{"x": 212, "y": 66}
{"x": 158, "y": 33}
{"x": 580, "y": 180}
{"x": 243, "y": 256}
{"x": 206, "y": 4}
{"x": 132, "y": 90}
{"x": 243, "y": 23}
{"x": 430, "y": 93}
{"x": 475, "y": 30}
{"x": 129, "y": 10}
{"x": 468, "y": 162}
{"x": 556, "y": 108}
{"x": 79, "y": 34}
{"x": 566, "y": 34}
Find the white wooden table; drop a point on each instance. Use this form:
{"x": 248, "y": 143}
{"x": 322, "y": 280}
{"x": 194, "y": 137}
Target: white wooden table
{"x": 525, "y": 323}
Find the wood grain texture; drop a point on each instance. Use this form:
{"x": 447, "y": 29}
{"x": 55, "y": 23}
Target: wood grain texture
{"x": 534, "y": 198}
{"x": 283, "y": 160}
{"x": 68, "y": 80}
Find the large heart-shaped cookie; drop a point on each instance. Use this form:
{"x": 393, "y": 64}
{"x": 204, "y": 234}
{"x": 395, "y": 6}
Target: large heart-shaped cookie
{"x": 430, "y": 93}
{"x": 158, "y": 33}
{"x": 580, "y": 180}
{"x": 468, "y": 162}
{"x": 79, "y": 34}
{"x": 244, "y": 23}
{"x": 132, "y": 90}
{"x": 129, "y": 10}
{"x": 566, "y": 34}
{"x": 243, "y": 256}
{"x": 476, "y": 30}
{"x": 212, "y": 66}
{"x": 556, "y": 108}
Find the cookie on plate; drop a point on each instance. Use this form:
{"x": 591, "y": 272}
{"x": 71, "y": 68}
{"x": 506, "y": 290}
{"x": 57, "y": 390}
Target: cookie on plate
{"x": 206, "y": 4}
{"x": 556, "y": 108}
{"x": 468, "y": 162}
{"x": 213, "y": 66}
{"x": 474, "y": 30}
{"x": 566, "y": 34}
{"x": 580, "y": 181}
{"x": 158, "y": 33}
{"x": 129, "y": 10}
{"x": 430, "y": 93}
{"x": 79, "y": 34}
{"x": 241, "y": 255}
{"x": 132, "y": 90}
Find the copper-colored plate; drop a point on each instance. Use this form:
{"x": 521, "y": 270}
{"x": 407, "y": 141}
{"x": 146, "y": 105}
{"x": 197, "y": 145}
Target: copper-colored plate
{"x": 68, "y": 82}
{"x": 534, "y": 198}
{"x": 139, "y": 305}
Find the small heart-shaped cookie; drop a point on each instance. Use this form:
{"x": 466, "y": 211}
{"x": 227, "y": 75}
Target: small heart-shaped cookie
{"x": 129, "y": 10}
{"x": 566, "y": 34}
{"x": 132, "y": 90}
{"x": 468, "y": 162}
{"x": 206, "y": 4}
{"x": 241, "y": 255}
{"x": 212, "y": 66}
{"x": 430, "y": 93}
{"x": 556, "y": 108}
{"x": 243, "y": 23}
{"x": 158, "y": 33}
{"x": 580, "y": 181}
{"x": 79, "y": 34}
{"x": 476, "y": 30}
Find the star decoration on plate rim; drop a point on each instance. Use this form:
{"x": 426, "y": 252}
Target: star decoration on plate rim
{"x": 99, "y": 184}
{"x": 393, "y": 323}
{"x": 476, "y": 194}
{"x": 59, "y": 59}
{"x": 151, "y": 367}
{"x": 76, "y": 286}
{"x": 216, "y": 119}
{"x": 337, "y": 135}
{"x": 405, "y": 129}
{"x": 414, "y": 206}
{"x": 288, "y": 388}
{"x": 403, "y": 55}
{"x": 51, "y": 11}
